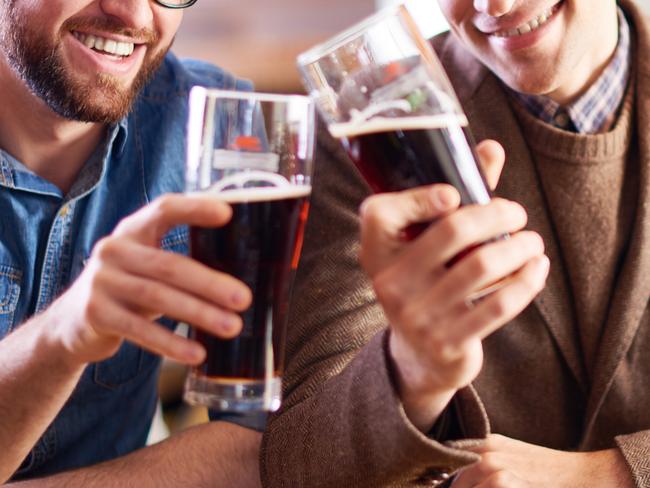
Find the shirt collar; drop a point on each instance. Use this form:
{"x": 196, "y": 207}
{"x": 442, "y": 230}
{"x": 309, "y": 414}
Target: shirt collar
{"x": 15, "y": 175}
{"x": 595, "y": 111}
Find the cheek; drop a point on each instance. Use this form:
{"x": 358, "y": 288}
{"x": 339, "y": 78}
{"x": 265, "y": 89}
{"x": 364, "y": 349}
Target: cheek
{"x": 168, "y": 25}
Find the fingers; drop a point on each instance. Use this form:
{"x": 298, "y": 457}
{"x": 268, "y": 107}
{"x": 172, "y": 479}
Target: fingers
{"x": 490, "y": 263}
{"x": 504, "y": 304}
{"x": 422, "y": 263}
{"x": 492, "y": 158}
{"x": 149, "y": 224}
{"x": 177, "y": 271}
{"x": 111, "y": 319}
{"x": 142, "y": 294}
{"x": 385, "y": 216}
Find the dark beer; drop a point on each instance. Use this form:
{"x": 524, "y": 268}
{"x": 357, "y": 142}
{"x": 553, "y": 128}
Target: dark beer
{"x": 404, "y": 153}
{"x": 401, "y": 153}
{"x": 260, "y": 246}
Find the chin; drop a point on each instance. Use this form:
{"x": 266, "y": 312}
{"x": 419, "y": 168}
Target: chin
{"x": 530, "y": 82}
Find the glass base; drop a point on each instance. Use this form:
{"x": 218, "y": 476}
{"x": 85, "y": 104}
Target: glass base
{"x": 233, "y": 395}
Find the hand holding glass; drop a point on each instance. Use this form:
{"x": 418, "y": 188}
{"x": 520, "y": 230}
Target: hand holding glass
{"x": 383, "y": 93}
{"x": 255, "y": 152}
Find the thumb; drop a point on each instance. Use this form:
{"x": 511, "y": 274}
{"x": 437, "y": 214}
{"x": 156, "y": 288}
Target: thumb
{"x": 492, "y": 158}
{"x": 149, "y": 224}
{"x": 385, "y": 216}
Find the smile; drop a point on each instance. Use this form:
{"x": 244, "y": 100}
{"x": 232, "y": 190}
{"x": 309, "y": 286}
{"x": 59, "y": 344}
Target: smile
{"x": 105, "y": 45}
{"x": 531, "y": 25}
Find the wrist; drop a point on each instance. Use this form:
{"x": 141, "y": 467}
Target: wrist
{"x": 55, "y": 338}
{"x": 423, "y": 400}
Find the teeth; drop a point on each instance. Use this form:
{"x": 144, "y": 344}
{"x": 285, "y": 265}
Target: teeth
{"x": 530, "y": 26}
{"x": 109, "y": 46}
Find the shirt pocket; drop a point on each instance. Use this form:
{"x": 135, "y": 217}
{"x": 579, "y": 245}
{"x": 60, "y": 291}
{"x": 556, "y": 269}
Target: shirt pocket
{"x": 10, "y": 278}
{"x": 131, "y": 360}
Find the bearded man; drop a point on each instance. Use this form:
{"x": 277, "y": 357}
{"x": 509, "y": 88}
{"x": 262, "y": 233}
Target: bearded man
{"x": 92, "y": 125}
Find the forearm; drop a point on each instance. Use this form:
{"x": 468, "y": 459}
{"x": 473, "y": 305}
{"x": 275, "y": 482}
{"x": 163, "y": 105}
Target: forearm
{"x": 214, "y": 454}
{"x": 36, "y": 379}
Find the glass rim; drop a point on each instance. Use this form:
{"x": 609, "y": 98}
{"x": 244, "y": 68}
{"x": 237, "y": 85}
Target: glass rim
{"x": 252, "y": 95}
{"x": 319, "y": 50}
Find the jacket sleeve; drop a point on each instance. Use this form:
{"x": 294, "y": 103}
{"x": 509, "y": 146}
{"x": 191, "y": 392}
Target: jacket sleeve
{"x": 341, "y": 422}
{"x": 636, "y": 451}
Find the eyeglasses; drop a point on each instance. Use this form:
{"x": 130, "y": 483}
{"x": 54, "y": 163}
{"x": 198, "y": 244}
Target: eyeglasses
{"x": 176, "y": 3}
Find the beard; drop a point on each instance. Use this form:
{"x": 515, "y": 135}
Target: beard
{"x": 41, "y": 65}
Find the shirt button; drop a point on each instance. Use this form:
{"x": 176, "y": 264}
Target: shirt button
{"x": 64, "y": 211}
{"x": 562, "y": 120}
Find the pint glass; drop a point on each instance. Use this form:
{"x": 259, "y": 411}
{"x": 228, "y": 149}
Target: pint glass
{"x": 255, "y": 152}
{"x": 383, "y": 93}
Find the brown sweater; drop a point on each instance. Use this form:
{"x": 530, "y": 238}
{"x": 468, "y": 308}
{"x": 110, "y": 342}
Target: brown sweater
{"x": 342, "y": 424}
{"x": 583, "y": 179}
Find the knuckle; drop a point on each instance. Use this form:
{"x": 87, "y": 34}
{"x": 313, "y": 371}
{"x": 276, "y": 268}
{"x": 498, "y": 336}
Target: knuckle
{"x": 533, "y": 242}
{"x": 92, "y": 311}
{"x": 490, "y": 462}
{"x": 483, "y": 263}
{"x": 105, "y": 249}
{"x": 499, "y": 307}
{"x": 163, "y": 203}
{"x": 451, "y": 228}
{"x": 373, "y": 208}
{"x": 387, "y": 290}
{"x": 206, "y": 316}
{"x": 501, "y": 479}
{"x": 163, "y": 264}
{"x": 151, "y": 296}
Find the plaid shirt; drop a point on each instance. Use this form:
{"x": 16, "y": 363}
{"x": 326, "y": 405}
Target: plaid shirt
{"x": 595, "y": 111}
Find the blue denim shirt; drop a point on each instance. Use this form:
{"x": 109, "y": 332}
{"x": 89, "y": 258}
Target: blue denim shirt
{"x": 47, "y": 236}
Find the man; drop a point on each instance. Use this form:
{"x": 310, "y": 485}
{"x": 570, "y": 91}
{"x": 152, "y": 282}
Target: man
{"x": 92, "y": 126}
{"x": 393, "y": 378}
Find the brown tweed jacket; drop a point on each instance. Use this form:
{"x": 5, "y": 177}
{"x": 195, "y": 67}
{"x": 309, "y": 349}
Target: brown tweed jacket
{"x": 342, "y": 425}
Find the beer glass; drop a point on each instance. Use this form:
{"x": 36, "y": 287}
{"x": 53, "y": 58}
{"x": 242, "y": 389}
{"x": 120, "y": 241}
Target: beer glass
{"x": 383, "y": 93}
{"x": 255, "y": 152}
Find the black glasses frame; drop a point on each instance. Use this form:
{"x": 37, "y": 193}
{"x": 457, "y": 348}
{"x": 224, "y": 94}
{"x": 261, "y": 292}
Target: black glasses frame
{"x": 188, "y": 3}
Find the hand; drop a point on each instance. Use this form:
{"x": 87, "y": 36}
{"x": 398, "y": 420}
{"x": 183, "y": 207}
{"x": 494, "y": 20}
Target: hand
{"x": 129, "y": 282}
{"x": 435, "y": 340}
{"x": 509, "y": 463}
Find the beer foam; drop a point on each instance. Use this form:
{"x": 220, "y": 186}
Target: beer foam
{"x": 389, "y": 124}
{"x": 260, "y": 193}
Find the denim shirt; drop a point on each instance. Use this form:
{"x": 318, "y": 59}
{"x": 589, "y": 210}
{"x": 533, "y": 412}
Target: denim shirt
{"x": 47, "y": 236}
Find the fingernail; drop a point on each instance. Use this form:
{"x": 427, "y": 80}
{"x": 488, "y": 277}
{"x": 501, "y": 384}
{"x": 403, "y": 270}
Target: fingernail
{"x": 231, "y": 324}
{"x": 239, "y": 298}
{"x": 195, "y": 353}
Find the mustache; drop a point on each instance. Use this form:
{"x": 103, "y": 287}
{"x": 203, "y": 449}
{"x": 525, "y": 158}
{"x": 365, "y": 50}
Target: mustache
{"x": 112, "y": 26}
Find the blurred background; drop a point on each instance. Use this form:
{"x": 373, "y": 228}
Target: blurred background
{"x": 260, "y": 40}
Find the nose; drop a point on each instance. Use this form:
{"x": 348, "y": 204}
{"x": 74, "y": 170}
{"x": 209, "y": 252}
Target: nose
{"x": 136, "y": 14}
{"x": 494, "y": 8}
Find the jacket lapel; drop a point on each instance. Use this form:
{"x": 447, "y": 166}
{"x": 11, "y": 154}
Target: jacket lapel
{"x": 487, "y": 108}
{"x": 632, "y": 292}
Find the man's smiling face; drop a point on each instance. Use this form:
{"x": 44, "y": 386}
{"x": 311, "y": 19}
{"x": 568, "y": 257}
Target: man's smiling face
{"x": 87, "y": 59}
{"x": 550, "y": 47}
